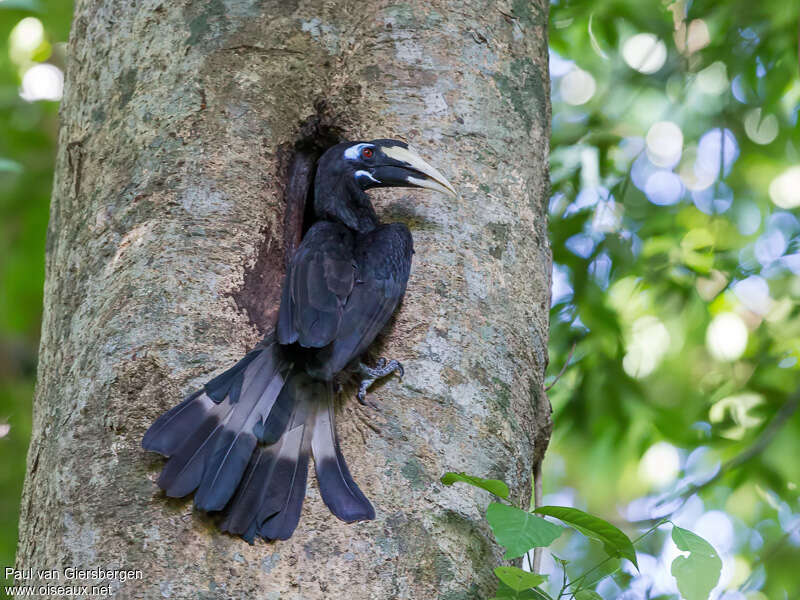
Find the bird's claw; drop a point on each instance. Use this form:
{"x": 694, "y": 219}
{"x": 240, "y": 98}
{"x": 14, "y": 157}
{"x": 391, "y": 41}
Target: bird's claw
{"x": 362, "y": 393}
{"x": 370, "y": 375}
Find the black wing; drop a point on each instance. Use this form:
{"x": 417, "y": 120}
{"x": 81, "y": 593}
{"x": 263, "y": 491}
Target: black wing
{"x": 318, "y": 281}
{"x": 383, "y": 263}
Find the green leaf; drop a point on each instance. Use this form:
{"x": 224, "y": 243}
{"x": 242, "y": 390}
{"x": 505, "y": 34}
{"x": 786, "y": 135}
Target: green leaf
{"x": 615, "y": 542}
{"x": 505, "y": 592}
{"x": 517, "y": 579}
{"x": 9, "y": 166}
{"x": 519, "y": 531}
{"x": 588, "y": 595}
{"x": 698, "y": 573}
{"x": 495, "y": 486}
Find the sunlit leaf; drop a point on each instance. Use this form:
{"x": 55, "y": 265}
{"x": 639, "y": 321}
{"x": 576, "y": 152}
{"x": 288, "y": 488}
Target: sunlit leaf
{"x": 588, "y": 595}
{"x": 519, "y": 531}
{"x": 495, "y": 486}
{"x": 517, "y": 579}
{"x": 698, "y": 573}
{"x": 615, "y": 541}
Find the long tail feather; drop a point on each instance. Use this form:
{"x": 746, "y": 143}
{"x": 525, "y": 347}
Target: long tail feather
{"x": 339, "y": 492}
{"x": 184, "y": 469}
{"x": 209, "y": 443}
{"x": 171, "y": 429}
{"x": 243, "y": 445}
{"x": 240, "y": 516}
{"x": 236, "y": 443}
{"x": 271, "y": 496}
{"x": 283, "y": 521}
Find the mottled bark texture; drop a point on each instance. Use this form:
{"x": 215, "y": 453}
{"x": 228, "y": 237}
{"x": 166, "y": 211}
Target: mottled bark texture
{"x": 166, "y": 251}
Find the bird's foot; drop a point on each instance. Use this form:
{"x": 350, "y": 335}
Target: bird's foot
{"x": 370, "y": 375}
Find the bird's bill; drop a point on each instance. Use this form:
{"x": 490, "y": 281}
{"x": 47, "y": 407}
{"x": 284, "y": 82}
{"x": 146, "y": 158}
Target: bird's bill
{"x": 408, "y": 169}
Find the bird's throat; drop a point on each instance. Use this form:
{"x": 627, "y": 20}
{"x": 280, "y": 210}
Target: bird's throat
{"x": 344, "y": 202}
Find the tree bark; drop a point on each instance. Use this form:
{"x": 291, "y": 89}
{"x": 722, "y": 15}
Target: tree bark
{"x": 181, "y": 124}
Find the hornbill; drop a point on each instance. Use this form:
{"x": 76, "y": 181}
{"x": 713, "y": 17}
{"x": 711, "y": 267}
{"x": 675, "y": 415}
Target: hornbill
{"x": 242, "y": 442}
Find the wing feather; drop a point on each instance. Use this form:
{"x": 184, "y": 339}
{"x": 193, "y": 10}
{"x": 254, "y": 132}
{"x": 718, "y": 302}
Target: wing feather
{"x": 318, "y": 281}
{"x": 383, "y": 264}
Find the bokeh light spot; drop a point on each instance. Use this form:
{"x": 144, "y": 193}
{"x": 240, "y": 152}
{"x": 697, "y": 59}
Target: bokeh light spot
{"x": 785, "y": 188}
{"x": 559, "y": 66}
{"x": 692, "y": 177}
{"x": 660, "y": 464}
{"x": 753, "y": 293}
{"x": 717, "y": 528}
{"x": 713, "y": 200}
{"x": 663, "y": 188}
{"x": 762, "y": 130}
{"x": 42, "y": 82}
{"x": 645, "y": 53}
{"x": 24, "y": 39}
{"x": 742, "y": 91}
{"x": 561, "y": 290}
{"x": 664, "y": 144}
{"x": 713, "y": 152}
{"x": 726, "y": 337}
{"x": 699, "y": 36}
{"x": 713, "y": 80}
{"x": 581, "y": 245}
{"x": 577, "y": 87}
{"x": 748, "y": 218}
{"x": 741, "y": 571}
{"x": 770, "y": 246}
{"x": 649, "y": 341}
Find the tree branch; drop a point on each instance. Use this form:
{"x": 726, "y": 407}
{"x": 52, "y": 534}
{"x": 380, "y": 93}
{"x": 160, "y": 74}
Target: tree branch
{"x": 563, "y": 369}
{"x": 537, "y": 502}
{"x": 764, "y": 439}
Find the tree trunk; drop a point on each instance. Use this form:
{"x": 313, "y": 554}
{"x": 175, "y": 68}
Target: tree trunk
{"x": 181, "y": 124}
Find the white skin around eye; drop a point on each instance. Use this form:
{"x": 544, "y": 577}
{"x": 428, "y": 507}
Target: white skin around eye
{"x": 353, "y": 152}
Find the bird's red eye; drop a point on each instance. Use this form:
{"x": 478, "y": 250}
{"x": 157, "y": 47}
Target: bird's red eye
{"x": 366, "y": 153}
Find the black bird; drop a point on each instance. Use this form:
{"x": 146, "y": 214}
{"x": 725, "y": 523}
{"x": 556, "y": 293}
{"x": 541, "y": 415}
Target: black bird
{"x": 242, "y": 443}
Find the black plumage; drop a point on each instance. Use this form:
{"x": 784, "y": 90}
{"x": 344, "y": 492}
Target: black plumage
{"x": 243, "y": 443}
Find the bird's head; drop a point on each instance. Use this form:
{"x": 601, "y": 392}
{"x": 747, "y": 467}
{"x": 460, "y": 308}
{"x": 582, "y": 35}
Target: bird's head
{"x": 384, "y": 163}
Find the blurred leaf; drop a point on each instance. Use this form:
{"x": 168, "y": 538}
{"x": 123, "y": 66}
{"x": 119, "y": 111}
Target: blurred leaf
{"x": 29, "y": 5}
{"x": 698, "y": 573}
{"x": 517, "y": 579}
{"x": 697, "y": 250}
{"x": 519, "y": 531}
{"x": 9, "y": 166}
{"x": 588, "y": 595}
{"x": 495, "y": 486}
{"x": 607, "y": 568}
{"x": 615, "y": 541}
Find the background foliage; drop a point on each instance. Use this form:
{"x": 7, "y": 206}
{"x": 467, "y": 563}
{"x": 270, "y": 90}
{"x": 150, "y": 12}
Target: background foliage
{"x": 676, "y": 283}
{"x": 28, "y": 135}
{"x": 676, "y": 245}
